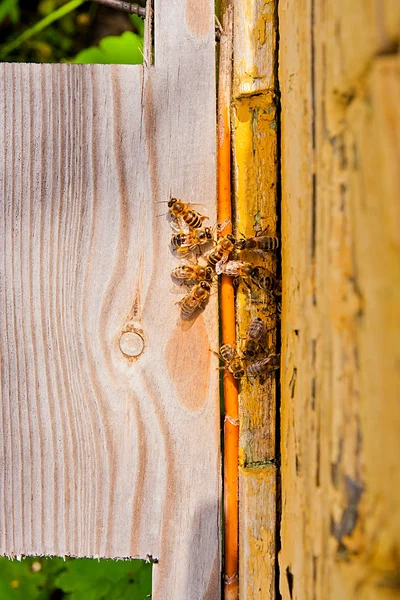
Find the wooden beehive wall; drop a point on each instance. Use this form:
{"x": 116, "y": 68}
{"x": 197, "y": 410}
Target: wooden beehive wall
{"x": 102, "y": 455}
{"x": 255, "y": 143}
{"x": 339, "y": 73}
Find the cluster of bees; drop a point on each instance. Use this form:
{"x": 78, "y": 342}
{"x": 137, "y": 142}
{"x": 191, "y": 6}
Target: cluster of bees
{"x": 190, "y": 236}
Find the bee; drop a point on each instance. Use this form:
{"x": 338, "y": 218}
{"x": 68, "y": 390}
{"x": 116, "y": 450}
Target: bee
{"x": 255, "y": 332}
{"x": 220, "y": 253}
{"x": 266, "y": 280}
{"x": 186, "y": 242}
{"x": 232, "y": 360}
{"x": 259, "y": 367}
{"x": 191, "y": 273}
{"x": 183, "y": 213}
{"x": 259, "y": 243}
{"x": 196, "y": 298}
{"x": 234, "y": 268}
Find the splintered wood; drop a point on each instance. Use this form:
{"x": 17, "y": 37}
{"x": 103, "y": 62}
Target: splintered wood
{"x": 109, "y": 447}
{"x": 340, "y": 88}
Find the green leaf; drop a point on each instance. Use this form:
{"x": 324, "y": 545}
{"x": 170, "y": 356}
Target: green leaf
{"x": 39, "y": 26}
{"x": 125, "y": 49}
{"x": 18, "y": 581}
{"x": 107, "y": 580}
{"x": 9, "y": 8}
{"x": 138, "y": 23}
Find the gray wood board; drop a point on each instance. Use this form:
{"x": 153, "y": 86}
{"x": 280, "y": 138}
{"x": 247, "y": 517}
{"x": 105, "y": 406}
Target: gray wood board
{"x": 102, "y": 455}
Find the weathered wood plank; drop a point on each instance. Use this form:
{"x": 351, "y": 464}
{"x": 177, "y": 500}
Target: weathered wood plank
{"x": 340, "y": 324}
{"x": 255, "y": 121}
{"x": 257, "y": 537}
{"x": 255, "y": 175}
{"x": 255, "y": 47}
{"x": 103, "y": 455}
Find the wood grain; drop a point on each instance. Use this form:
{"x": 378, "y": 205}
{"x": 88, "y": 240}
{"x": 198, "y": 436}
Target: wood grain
{"x": 257, "y": 538}
{"x": 103, "y": 455}
{"x": 340, "y": 82}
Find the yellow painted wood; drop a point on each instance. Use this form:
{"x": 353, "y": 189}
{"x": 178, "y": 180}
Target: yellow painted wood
{"x": 256, "y": 176}
{"x": 257, "y": 538}
{"x": 255, "y": 128}
{"x": 340, "y": 84}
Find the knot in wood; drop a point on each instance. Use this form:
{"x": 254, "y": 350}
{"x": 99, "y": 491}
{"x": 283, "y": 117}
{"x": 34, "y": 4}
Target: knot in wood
{"x": 131, "y": 344}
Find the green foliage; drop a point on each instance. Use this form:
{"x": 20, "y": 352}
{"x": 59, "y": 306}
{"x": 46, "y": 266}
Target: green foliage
{"x": 64, "y": 32}
{"x": 115, "y": 580}
{"x": 9, "y": 8}
{"x": 38, "y": 27}
{"x": 74, "y": 579}
{"x": 116, "y": 50}
{"x": 30, "y": 579}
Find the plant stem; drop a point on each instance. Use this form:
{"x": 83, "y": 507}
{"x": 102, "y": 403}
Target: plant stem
{"x": 40, "y": 25}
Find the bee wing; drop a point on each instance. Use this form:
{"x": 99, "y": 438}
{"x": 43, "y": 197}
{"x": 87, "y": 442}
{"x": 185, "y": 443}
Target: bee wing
{"x": 223, "y": 260}
{"x": 184, "y": 250}
{"x": 228, "y": 267}
{"x": 186, "y": 324}
{"x": 183, "y": 225}
{"x": 175, "y": 226}
{"x": 221, "y": 226}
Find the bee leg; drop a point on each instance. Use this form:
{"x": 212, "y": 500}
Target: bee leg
{"x": 221, "y": 226}
{"x": 246, "y": 283}
{"x": 264, "y": 232}
{"x": 218, "y": 30}
{"x": 235, "y": 283}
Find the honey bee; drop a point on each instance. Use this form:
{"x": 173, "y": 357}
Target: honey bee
{"x": 266, "y": 280}
{"x": 220, "y": 253}
{"x": 190, "y": 273}
{"x": 232, "y": 360}
{"x": 255, "y": 332}
{"x": 259, "y": 243}
{"x": 264, "y": 365}
{"x": 182, "y": 212}
{"x": 234, "y": 268}
{"x": 186, "y": 242}
{"x": 196, "y": 298}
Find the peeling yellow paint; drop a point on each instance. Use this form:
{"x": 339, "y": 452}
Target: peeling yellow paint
{"x": 255, "y": 149}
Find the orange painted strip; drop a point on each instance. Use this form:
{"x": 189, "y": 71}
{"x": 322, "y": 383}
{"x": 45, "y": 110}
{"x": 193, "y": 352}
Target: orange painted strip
{"x": 227, "y": 304}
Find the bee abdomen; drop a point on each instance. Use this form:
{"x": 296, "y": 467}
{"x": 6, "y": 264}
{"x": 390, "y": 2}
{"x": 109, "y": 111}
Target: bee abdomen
{"x": 269, "y": 243}
{"x": 188, "y": 306}
{"x": 182, "y": 272}
{"x": 178, "y": 240}
{"x": 193, "y": 219}
{"x": 256, "y": 328}
{"x": 227, "y": 352}
{"x": 214, "y": 258}
{"x": 270, "y": 363}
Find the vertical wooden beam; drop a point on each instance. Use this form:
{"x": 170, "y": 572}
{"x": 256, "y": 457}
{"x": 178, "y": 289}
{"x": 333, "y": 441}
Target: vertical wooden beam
{"x": 227, "y": 312}
{"x": 256, "y": 174}
{"x": 340, "y": 83}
